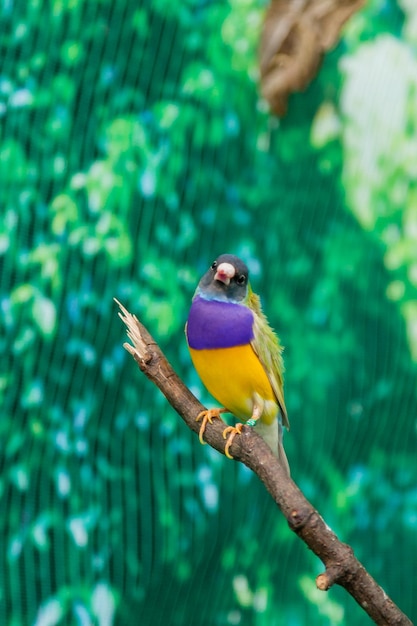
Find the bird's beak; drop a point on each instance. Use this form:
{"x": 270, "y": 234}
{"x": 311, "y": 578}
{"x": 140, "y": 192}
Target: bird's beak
{"x": 224, "y": 273}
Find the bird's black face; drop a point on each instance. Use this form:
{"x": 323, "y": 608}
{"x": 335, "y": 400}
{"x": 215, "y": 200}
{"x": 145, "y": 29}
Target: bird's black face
{"x": 226, "y": 279}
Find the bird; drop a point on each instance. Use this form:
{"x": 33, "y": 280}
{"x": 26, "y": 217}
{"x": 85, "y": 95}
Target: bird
{"x": 237, "y": 355}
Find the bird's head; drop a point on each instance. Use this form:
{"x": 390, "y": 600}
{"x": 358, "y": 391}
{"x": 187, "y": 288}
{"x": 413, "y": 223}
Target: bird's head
{"x": 226, "y": 279}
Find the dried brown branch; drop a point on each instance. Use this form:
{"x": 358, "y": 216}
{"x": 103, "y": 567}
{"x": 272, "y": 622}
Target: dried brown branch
{"x": 341, "y": 565}
{"x": 295, "y": 36}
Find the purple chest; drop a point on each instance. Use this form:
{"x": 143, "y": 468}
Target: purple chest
{"x": 216, "y": 324}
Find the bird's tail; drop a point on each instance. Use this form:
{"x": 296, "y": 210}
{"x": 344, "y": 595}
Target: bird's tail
{"x": 272, "y": 435}
{"x": 282, "y": 457}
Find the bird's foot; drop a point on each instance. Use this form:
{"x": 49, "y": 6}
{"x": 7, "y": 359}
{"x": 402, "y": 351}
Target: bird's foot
{"x": 207, "y": 416}
{"x": 230, "y": 433}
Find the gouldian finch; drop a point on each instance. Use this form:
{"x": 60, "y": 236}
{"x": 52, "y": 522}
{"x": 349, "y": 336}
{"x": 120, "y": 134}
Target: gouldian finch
{"x": 237, "y": 354}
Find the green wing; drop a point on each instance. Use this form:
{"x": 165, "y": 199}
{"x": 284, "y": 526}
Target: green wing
{"x": 269, "y": 350}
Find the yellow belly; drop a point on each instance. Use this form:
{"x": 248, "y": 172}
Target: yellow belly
{"x": 236, "y": 377}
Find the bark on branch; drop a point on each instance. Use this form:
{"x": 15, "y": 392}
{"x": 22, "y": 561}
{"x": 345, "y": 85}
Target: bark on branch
{"x": 341, "y": 565}
{"x": 295, "y": 36}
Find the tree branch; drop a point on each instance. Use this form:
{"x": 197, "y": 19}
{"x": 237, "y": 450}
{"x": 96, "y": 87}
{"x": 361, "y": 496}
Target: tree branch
{"x": 295, "y": 36}
{"x": 341, "y": 565}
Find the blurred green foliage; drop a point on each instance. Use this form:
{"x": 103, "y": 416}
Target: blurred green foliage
{"x": 134, "y": 149}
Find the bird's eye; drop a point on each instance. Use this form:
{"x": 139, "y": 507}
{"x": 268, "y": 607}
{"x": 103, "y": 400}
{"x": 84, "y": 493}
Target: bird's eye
{"x": 214, "y": 265}
{"x": 241, "y": 279}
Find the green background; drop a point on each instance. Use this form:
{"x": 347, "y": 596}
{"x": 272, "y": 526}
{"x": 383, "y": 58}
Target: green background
{"x": 134, "y": 149}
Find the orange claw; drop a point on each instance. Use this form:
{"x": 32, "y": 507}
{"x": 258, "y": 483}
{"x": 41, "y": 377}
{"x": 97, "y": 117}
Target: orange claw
{"x": 207, "y": 416}
{"x": 233, "y": 430}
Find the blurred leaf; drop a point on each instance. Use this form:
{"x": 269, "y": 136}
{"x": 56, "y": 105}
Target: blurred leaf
{"x": 44, "y": 314}
{"x": 33, "y": 394}
{"x": 19, "y": 476}
{"x": 15, "y": 442}
{"x": 103, "y": 604}
{"x": 66, "y": 213}
{"x": 72, "y": 53}
{"x": 13, "y": 163}
{"x": 22, "y": 294}
{"x": 327, "y": 608}
{"x": 50, "y": 613}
